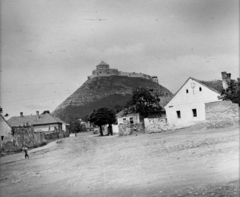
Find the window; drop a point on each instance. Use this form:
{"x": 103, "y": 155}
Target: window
{"x": 124, "y": 120}
{"x": 131, "y": 120}
{"x": 194, "y": 112}
{"x": 178, "y": 114}
{"x": 200, "y": 89}
{"x": 186, "y": 90}
{"x": 2, "y": 137}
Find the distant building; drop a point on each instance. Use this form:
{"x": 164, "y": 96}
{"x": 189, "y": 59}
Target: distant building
{"x": 5, "y": 130}
{"x": 103, "y": 69}
{"x": 44, "y": 122}
{"x": 187, "y": 107}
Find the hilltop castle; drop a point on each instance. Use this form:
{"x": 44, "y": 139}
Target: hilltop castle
{"x": 102, "y": 69}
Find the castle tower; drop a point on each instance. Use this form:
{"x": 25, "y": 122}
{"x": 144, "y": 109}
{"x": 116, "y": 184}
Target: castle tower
{"x": 155, "y": 79}
{"x": 102, "y": 65}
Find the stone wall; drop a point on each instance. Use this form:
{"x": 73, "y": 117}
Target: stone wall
{"x": 104, "y": 72}
{"x": 156, "y": 125}
{"x": 111, "y": 71}
{"x": 221, "y": 114}
{"x": 127, "y": 128}
{"x": 53, "y": 135}
{"x": 23, "y": 136}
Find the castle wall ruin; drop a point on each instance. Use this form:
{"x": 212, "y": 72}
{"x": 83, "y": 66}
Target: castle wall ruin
{"x": 103, "y": 70}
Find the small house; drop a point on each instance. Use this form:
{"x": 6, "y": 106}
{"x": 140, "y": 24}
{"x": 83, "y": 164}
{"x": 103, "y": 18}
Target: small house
{"x": 44, "y": 122}
{"x": 187, "y": 107}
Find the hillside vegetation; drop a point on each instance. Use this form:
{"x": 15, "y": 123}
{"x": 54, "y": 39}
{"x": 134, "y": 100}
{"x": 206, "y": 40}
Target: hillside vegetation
{"x": 104, "y": 92}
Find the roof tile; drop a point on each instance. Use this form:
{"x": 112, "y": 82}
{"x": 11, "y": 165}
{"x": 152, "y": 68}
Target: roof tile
{"x": 33, "y": 120}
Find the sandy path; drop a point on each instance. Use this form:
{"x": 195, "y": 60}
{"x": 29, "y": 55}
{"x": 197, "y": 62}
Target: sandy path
{"x": 180, "y": 162}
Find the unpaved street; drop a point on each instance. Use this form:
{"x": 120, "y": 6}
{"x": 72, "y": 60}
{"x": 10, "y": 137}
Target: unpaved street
{"x": 189, "y": 162}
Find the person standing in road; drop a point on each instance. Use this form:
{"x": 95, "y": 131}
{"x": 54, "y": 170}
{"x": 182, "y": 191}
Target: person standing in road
{"x": 25, "y": 149}
{"x": 135, "y": 130}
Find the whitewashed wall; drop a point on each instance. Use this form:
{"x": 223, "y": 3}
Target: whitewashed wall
{"x": 115, "y": 129}
{"x": 136, "y": 118}
{"x": 46, "y": 127}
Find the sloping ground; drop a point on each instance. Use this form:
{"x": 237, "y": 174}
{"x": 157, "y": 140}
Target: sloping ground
{"x": 104, "y": 91}
{"x": 186, "y": 162}
{"x": 80, "y": 111}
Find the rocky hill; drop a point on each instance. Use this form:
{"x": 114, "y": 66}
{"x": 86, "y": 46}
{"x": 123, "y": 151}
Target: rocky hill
{"x": 104, "y": 92}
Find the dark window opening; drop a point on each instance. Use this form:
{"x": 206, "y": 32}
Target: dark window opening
{"x": 2, "y": 137}
{"x": 131, "y": 120}
{"x": 178, "y": 114}
{"x": 200, "y": 89}
{"x": 194, "y": 112}
{"x": 186, "y": 90}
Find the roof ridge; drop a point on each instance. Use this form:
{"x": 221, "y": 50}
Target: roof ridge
{"x": 102, "y": 63}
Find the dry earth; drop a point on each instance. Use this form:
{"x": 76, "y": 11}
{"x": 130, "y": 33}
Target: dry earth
{"x": 188, "y": 162}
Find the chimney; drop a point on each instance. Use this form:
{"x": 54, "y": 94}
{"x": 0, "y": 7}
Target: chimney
{"x": 229, "y": 76}
{"x": 37, "y": 113}
{"x": 21, "y": 114}
{"x": 224, "y": 80}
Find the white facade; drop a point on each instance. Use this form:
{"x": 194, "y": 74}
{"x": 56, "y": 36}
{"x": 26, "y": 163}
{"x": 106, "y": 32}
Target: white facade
{"x": 131, "y": 118}
{"x": 115, "y": 129}
{"x": 187, "y": 107}
{"x": 47, "y": 128}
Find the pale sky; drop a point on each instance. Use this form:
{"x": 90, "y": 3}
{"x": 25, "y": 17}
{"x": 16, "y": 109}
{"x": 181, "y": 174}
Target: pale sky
{"x": 49, "y": 47}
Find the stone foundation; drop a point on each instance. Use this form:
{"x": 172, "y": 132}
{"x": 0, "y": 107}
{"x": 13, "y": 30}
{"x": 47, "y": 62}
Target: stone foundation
{"x": 156, "y": 125}
{"x": 128, "y": 129}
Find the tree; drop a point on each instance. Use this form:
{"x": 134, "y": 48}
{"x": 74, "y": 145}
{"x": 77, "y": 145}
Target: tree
{"x": 232, "y": 93}
{"x": 143, "y": 101}
{"x": 75, "y": 126}
{"x": 102, "y": 116}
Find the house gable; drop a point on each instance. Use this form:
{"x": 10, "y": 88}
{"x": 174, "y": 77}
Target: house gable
{"x": 5, "y": 128}
{"x": 193, "y": 91}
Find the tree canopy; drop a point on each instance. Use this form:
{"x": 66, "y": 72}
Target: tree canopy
{"x": 232, "y": 93}
{"x": 102, "y": 116}
{"x": 75, "y": 126}
{"x": 143, "y": 101}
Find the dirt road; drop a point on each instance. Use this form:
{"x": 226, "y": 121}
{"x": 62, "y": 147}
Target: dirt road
{"x": 189, "y": 162}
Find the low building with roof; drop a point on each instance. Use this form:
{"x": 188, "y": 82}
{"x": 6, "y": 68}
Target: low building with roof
{"x": 44, "y": 122}
{"x": 187, "y": 107}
